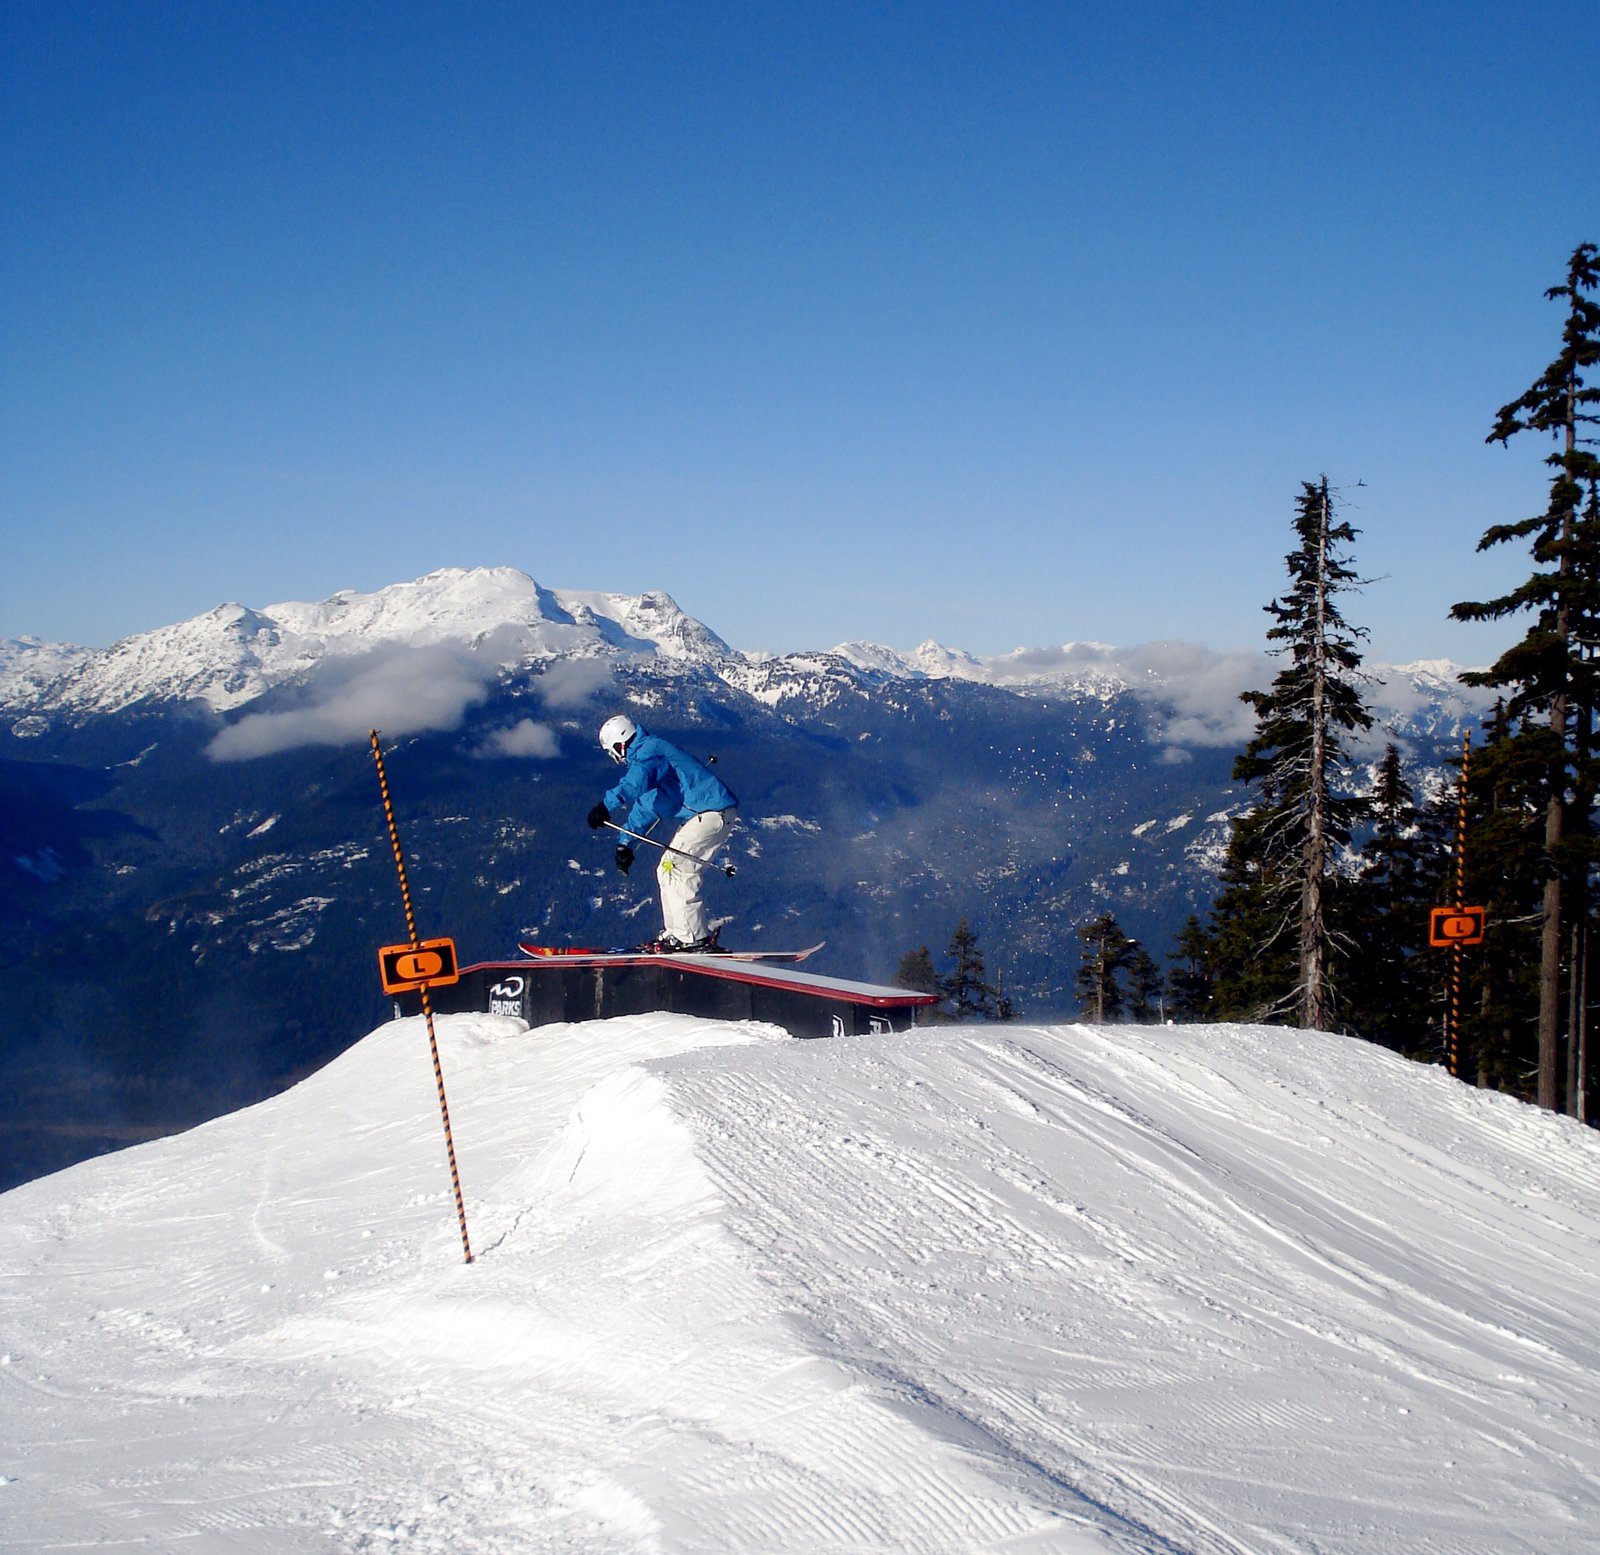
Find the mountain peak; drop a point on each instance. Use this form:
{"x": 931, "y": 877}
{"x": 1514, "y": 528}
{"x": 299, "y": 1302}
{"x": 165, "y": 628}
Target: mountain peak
{"x": 231, "y": 654}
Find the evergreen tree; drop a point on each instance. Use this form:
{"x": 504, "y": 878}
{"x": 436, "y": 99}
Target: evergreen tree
{"x": 916, "y": 972}
{"x": 1106, "y": 952}
{"x": 1272, "y": 921}
{"x": 1551, "y": 672}
{"x": 1143, "y": 986}
{"x": 1252, "y": 951}
{"x": 1192, "y": 978}
{"x": 970, "y": 996}
{"x": 1580, "y": 1073}
{"x": 964, "y": 991}
{"x": 1507, "y": 799}
{"x": 1391, "y": 983}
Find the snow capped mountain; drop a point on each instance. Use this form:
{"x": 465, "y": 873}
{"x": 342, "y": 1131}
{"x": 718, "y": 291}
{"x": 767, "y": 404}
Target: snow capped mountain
{"x": 28, "y": 665}
{"x": 931, "y": 660}
{"x": 1199, "y": 685}
{"x": 650, "y": 622}
{"x": 502, "y": 619}
{"x": 1052, "y": 1290}
{"x": 232, "y": 654}
{"x": 803, "y": 680}
{"x": 1429, "y": 697}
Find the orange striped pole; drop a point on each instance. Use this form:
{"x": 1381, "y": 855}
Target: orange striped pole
{"x": 1453, "y": 1037}
{"x": 427, "y": 1003}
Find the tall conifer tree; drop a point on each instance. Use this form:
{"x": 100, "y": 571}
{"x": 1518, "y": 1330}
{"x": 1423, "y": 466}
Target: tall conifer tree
{"x": 1144, "y": 986}
{"x": 971, "y": 996}
{"x": 1106, "y": 953}
{"x": 1282, "y": 854}
{"x": 1392, "y": 977}
{"x": 1507, "y": 796}
{"x": 1191, "y": 978}
{"x": 1551, "y": 672}
{"x": 916, "y": 972}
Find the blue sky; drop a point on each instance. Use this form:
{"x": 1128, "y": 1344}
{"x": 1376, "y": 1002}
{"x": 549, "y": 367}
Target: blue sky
{"x": 1001, "y": 324}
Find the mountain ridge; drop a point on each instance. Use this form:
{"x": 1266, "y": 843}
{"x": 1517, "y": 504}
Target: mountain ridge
{"x": 233, "y": 654}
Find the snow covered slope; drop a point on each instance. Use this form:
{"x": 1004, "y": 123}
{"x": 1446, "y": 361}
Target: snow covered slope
{"x": 975, "y": 1289}
{"x": 27, "y": 666}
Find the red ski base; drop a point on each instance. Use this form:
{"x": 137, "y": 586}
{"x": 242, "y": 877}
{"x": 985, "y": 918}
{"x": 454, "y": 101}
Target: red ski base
{"x": 791, "y": 957}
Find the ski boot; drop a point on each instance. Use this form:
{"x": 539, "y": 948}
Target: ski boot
{"x": 666, "y": 945}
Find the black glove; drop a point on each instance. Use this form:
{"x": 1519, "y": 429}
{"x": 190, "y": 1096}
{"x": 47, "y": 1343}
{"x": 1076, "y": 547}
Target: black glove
{"x": 624, "y": 858}
{"x": 599, "y": 816}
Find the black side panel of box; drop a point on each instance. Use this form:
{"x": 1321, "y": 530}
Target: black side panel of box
{"x": 547, "y": 995}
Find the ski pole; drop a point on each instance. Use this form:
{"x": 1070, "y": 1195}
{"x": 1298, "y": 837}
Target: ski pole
{"x": 666, "y": 847}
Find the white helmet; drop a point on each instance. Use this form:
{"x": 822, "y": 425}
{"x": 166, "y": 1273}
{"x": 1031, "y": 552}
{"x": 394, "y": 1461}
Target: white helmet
{"x": 615, "y": 735}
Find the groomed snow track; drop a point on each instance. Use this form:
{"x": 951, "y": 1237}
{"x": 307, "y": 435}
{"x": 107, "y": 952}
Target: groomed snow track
{"x": 977, "y": 1290}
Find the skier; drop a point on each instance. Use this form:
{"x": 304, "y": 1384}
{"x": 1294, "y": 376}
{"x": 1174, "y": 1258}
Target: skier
{"x": 663, "y": 783}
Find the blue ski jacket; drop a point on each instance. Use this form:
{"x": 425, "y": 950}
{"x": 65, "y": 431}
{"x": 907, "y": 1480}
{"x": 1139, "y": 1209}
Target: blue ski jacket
{"x": 663, "y": 783}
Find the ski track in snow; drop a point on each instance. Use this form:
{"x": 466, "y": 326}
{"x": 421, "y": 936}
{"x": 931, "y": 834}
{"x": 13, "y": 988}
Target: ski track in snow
{"x": 1036, "y": 1291}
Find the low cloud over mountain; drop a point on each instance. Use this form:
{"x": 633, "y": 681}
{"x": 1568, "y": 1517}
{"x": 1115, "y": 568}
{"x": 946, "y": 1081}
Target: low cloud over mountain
{"x": 401, "y": 689}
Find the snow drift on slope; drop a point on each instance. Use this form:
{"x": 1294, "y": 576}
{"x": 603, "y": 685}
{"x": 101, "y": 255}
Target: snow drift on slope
{"x": 1202, "y": 1289}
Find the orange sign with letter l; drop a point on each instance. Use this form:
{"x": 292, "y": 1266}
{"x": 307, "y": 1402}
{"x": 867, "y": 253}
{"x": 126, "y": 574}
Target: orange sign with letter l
{"x": 429, "y": 964}
{"x": 1455, "y": 926}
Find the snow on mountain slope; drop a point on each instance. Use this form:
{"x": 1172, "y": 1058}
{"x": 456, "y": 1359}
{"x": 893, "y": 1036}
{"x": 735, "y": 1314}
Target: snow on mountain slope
{"x": 232, "y": 654}
{"x": 464, "y": 627}
{"x": 27, "y": 666}
{"x": 929, "y": 659}
{"x": 650, "y": 622}
{"x": 501, "y": 618}
{"x": 973, "y": 1289}
{"x": 1197, "y": 687}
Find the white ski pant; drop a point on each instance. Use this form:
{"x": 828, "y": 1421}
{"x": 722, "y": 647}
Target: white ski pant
{"x": 683, "y": 913}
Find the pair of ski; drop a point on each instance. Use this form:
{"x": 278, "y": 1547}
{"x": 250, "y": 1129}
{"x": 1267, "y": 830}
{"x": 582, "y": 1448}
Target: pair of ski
{"x": 790, "y": 956}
